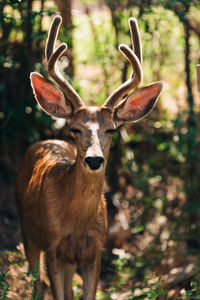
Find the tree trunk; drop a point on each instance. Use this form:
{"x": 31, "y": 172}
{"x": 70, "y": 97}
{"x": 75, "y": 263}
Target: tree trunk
{"x": 191, "y": 184}
{"x": 190, "y": 98}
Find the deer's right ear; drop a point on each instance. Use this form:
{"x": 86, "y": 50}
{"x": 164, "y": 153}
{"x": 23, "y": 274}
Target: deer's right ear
{"x": 138, "y": 104}
{"x": 50, "y": 97}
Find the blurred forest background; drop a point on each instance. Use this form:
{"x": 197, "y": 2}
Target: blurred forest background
{"x": 152, "y": 190}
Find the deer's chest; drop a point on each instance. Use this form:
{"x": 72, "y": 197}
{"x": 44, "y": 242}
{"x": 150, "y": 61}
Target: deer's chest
{"x": 76, "y": 249}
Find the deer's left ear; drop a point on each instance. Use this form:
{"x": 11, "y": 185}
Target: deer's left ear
{"x": 50, "y": 97}
{"x": 138, "y": 104}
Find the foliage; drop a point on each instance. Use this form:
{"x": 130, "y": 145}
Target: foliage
{"x": 21, "y": 48}
{"x": 120, "y": 284}
{"x": 4, "y": 285}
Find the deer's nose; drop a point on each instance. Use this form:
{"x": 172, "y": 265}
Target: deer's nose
{"x": 94, "y": 163}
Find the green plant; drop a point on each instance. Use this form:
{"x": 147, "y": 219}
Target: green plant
{"x": 34, "y": 277}
{"x": 4, "y": 285}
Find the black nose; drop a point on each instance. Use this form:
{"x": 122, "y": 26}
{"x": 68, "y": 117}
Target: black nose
{"x": 94, "y": 163}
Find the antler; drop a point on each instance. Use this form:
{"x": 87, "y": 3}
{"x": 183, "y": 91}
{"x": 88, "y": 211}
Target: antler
{"x": 52, "y": 56}
{"x": 135, "y": 59}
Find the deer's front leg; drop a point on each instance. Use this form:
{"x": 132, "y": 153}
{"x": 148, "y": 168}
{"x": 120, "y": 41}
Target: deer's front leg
{"x": 69, "y": 272}
{"x": 56, "y": 274}
{"x": 90, "y": 273}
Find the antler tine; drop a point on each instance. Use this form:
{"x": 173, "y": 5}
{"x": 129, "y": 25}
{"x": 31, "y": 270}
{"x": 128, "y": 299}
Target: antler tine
{"x": 52, "y": 36}
{"x": 52, "y": 56}
{"x": 135, "y": 38}
{"x": 135, "y": 60}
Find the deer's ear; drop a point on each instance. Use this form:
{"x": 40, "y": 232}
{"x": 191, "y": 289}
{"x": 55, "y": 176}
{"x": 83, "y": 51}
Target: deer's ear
{"x": 138, "y": 104}
{"x": 50, "y": 97}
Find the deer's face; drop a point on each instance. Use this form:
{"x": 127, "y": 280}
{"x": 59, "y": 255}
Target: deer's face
{"x": 93, "y": 128}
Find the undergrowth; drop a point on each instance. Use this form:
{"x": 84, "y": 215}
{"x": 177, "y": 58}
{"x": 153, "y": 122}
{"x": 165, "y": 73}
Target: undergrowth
{"x": 119, "y": 285}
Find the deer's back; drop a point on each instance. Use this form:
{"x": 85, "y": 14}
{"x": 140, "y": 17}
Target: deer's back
{"x": 41, "y": 160}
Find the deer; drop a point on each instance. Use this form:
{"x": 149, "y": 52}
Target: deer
{"x": 59, "y": 188}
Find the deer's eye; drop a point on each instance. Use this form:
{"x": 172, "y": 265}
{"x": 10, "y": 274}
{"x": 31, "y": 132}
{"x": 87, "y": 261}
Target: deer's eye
{"x": 110, "y": 131}
{"x": 75, "y": 130}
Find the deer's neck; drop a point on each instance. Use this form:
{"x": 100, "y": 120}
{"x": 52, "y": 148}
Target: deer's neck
{"x": 88, "y": 184}
{"x": 83, "y": 189}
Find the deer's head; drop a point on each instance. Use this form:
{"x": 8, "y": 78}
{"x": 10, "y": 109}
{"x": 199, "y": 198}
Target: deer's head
{"x": 93, "y": 126}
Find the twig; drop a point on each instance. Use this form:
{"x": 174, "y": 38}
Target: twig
{"x": 198, "y": 77}
{"x": 180, "y": 274}
{"x": 6, "y": 121}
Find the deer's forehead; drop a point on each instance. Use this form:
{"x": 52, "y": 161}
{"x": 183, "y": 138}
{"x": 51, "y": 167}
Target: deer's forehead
{"x": 93, "y": 117}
